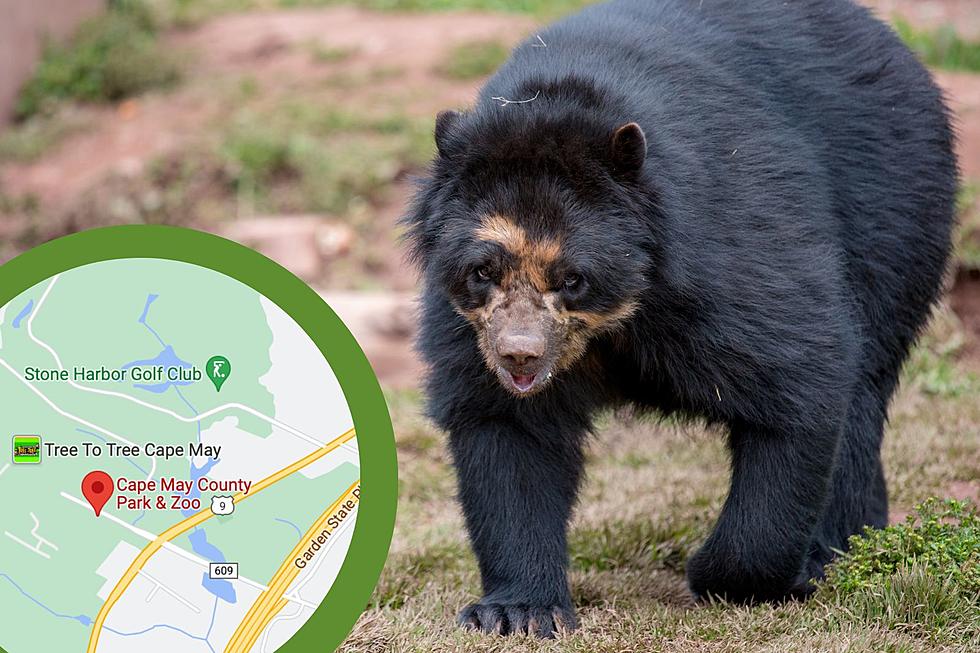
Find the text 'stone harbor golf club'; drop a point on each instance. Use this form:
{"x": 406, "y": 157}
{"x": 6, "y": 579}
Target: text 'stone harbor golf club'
{"x": 183, "y": 471}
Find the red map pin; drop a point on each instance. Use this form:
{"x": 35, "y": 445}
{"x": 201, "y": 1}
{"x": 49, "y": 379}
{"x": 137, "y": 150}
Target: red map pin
{"x": 97, "y": 488}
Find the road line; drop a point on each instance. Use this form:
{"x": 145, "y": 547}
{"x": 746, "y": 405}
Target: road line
{"x": 187, "y": 524}
{"x": 146, "y": 535}
{"x": 149, "y": 406}
{"x": 267, "y": 606}
{"x": 290, "y": 574}
{"x": 282, "y": 618}
{"x": 27, "y": 546}
{"x": 41, "y": 540}
{"x": 169, "y": 546}
{"x": 161, "y": 586}
{"x": 58, "y": 410}
{"x": 335, "y": 537}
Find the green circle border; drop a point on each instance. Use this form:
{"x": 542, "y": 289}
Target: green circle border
{"x": 336, "y": 616}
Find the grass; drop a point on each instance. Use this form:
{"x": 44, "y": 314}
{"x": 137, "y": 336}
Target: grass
{"x": 321, "y": 53}
{"x": 968, "y": 240}
{"x": 932, "y": 367}
{"x": 277, "y": 155}
{"x": 921, "y": 576}
{"x": 32, "y": 138}
{"x": 536, "y": 7}
{"x": 941, "y": 48}
{"x": 652, "y": 493}
{"x": 192, "y": 12}
{"x": 940, "y": 539}
{"x": 473, "y": 60}
{"x": 110, "y": 57}
{"x": 301, "y": 156}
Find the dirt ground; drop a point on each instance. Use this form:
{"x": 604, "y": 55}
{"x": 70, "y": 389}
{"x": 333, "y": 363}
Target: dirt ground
{"x": 263, "y": 47}
{"x": 75, "y": 183}
{"x": 270, "y": 49}
{"x": 932, "y": 14}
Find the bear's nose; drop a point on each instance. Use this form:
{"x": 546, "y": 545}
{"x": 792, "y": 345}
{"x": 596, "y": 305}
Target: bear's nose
{"x": 519, "y": 349}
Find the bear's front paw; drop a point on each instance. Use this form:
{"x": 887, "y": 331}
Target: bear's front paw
{"x": 502, "y": 619}
{"x": 743, "y": 583}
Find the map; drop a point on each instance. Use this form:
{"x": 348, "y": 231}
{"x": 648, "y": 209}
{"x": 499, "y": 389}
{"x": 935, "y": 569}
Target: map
{"x": 181, "y": 470}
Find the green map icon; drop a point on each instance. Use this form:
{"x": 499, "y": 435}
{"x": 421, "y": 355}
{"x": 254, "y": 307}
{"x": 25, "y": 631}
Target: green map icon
{"x": 218, "y": 369}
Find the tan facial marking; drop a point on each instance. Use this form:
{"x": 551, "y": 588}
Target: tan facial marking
{"x": 581, "y": 326}
{"x": 480, "y": 317}
{"x": 598, "y": 322}
{"x": 534, "y": 256}
{"x": 482, "y": 314}
{"x": 526, "y": 284}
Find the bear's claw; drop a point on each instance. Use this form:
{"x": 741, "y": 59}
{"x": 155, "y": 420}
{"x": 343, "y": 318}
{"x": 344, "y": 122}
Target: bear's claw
{"x": 501, "y": 619}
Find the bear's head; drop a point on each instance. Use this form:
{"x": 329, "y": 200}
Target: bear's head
{"x": 535, "y": 225}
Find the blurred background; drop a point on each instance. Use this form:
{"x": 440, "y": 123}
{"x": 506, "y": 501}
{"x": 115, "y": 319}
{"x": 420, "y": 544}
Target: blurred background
{"x": 296, "y": 126}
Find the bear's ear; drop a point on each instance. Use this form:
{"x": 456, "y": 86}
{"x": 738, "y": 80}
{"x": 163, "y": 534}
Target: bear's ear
{"x": 629, "y": 148}
{"x": 446, "y": 123}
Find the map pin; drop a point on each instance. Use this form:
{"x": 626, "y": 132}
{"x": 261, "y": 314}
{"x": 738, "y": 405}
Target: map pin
{"x": 218, "y": 370}
{"x": 97, "y": 488}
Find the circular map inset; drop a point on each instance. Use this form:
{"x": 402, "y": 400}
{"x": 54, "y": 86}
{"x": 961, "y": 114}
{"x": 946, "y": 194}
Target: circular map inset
{"x": 182, "y": 468}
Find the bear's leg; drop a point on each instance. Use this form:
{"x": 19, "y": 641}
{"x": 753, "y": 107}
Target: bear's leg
{"x": 780, "y": 482}
{"x": 517, "y": 486}
{"x": 858, "y": 496}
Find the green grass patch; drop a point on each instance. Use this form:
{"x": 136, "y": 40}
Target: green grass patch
{"x": 921, "y": 575}
{"x": 941, "y": 538}
{"x": 537, "y": 7}
{"x": 941, "y": 48}
{"x": 322, "y": 53}
{"x": 29, "y": 140}
{"x": 636, "y": 544}
{"x": 938, "y": 375}
{"x": 407, "y": 575}
{"x": 932, "y": 364}
{"x": 189, "y": 13}
{"x": 110, "y": 57}
{"x": 324, "y": 159}
{"x": 192, "y": 12}
{"x": 473, "y": 60}
{"x": 968, "y": 236}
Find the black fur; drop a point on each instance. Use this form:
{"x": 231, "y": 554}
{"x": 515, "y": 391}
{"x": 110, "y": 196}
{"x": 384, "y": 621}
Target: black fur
{"x": 785, "y": 238}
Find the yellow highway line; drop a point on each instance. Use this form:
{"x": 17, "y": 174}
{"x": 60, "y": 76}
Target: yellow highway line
{"x": 287, "y": 573}
{"x": 254, "y": 625}
{"x": 296, "y": 466}
{"x": 195, "y": 520}
{"x": 260, "y": 614}
{"x": 270, "y": 602}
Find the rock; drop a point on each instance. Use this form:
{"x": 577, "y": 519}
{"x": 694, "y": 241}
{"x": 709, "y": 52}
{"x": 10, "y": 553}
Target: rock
{"x": 963, "y": 93}
{"x": 383, "y": 324}
{"x": 300, "y": 243}
{"x": 334, "y": 240}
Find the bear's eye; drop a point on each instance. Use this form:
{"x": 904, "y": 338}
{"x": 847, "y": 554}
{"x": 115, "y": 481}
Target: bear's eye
{"x": 572, "y": 281}
{"x": 482, "y": 273}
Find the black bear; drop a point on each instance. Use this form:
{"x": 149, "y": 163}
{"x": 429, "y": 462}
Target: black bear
{"x": 735, "y": 211}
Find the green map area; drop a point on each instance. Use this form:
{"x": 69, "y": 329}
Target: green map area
{"x": 156, "y": 321}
